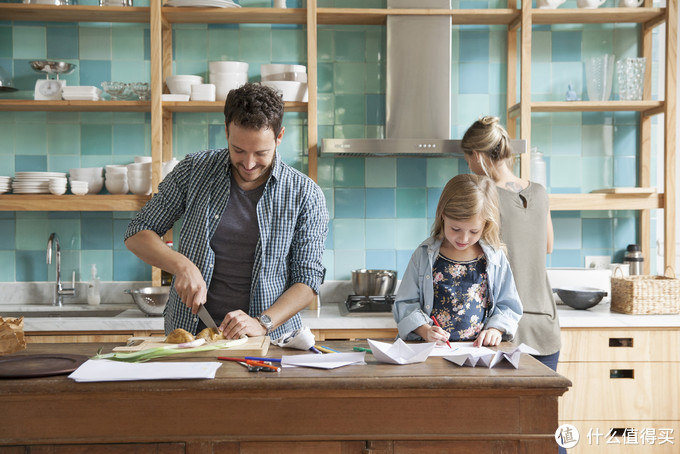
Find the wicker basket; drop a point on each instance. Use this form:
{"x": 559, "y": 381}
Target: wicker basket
{"x": 646, "y": 294}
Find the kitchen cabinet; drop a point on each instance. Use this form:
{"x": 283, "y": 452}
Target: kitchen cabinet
{"x": 521, "y": 107}
{"x": 622, "y": 380}
{"x": 519, "y": 22}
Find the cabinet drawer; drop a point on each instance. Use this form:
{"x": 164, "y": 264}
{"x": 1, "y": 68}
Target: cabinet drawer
{"x": 620, "y": 345}
{"x": 653, "y": 431}
{"x": 620, "y": 390}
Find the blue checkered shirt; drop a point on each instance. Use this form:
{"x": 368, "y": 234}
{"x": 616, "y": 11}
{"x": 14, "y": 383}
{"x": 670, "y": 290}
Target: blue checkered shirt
{"x": 292, "y": 218}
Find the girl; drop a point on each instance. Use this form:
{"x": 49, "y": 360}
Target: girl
{"x": 460, "y": 274}
{"x": 526, "y": 229}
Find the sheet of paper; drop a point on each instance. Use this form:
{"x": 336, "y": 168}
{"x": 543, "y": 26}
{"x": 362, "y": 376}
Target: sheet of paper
{"x": 400, "y": 352}
{"x": 471, "y": 356}
{"x": 444, "y": 350}
{"x": 106, "y": 370}
{"x": 324, "y": 360}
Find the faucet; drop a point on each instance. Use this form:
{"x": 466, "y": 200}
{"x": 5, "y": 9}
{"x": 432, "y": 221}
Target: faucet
{"x": 60, "y": 291}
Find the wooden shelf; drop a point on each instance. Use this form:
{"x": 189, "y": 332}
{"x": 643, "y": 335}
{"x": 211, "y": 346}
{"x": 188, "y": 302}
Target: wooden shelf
{"x": 376, "y": 16}
{"x": 218, "y": 106}
{"x": 597, "y": 16}
{"x": 235, "y": 15}
{"x": 29, "y": 105}
{"x": 72, "y": 13}
{"x": 647, "y": 107}
{"x": 49, "y": 202}
{"x": 604, "y": 201}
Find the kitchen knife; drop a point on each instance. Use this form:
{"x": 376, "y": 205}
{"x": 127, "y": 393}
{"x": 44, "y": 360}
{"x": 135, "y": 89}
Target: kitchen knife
{"x": 207, "y": 318}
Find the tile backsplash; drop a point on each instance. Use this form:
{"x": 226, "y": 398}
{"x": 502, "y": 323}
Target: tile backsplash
{"x": 381, "y": 208}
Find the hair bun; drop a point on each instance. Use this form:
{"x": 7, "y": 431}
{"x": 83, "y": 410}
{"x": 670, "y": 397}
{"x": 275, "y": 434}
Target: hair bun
{"x": 489, "y": 120}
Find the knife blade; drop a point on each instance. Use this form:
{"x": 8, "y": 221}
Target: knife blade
{"x": 207, "y": 319}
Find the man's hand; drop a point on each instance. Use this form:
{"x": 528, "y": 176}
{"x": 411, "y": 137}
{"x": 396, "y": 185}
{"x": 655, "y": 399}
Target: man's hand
{"x": 190, "y": 286}
{"x": 237, "y": 324}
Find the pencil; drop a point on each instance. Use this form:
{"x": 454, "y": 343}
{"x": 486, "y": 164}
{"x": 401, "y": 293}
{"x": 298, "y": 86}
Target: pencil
{"x": 362, "y": 349}
{"x": 437, "y": 323}
{"x": 324, "y": 349}
{"x": 333, "y": 351}
{"x": 314, "y": 349}
{"x": 257, "y": 358}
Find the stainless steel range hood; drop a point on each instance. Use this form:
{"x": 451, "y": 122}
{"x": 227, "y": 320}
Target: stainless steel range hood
{"x": 418, "y": 89}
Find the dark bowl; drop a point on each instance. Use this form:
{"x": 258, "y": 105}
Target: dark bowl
{"x": 581, "y": 297}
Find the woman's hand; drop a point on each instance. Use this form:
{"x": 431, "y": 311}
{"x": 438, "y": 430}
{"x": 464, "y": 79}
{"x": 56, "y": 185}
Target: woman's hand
{"x": 431, "y": 333}
{"x": 490, "y": 337}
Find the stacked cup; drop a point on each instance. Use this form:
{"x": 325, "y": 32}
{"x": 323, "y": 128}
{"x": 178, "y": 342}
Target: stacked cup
{"x": 78, "y": 187}
{"x": 227, "y": 75}
{"x": 139, "y": 177}
{"x": 57, "y": 186}
{"x": 116, "y": 179}
{"x": 94, "y": 176}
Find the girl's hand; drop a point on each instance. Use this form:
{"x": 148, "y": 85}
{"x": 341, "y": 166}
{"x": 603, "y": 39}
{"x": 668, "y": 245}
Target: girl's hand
{"x": 491, "y": 337}
{"x": 431, "y": 333}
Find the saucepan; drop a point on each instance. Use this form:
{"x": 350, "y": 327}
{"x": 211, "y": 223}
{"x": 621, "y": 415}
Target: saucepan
{"x": 374, "y": 282}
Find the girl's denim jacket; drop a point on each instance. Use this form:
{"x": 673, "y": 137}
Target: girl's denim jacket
{"x": 415, "y": 297}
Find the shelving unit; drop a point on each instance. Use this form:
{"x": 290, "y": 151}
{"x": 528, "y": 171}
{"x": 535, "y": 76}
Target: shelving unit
{"x": 520, "y": 106}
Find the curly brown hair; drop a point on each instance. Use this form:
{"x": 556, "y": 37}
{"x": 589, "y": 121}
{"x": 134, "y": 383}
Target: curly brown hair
{"x": 254, "y": 106}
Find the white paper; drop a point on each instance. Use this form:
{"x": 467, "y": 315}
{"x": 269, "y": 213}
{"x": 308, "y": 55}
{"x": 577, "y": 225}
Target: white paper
{"x": 445, "y": 350}
{"x": 400, "y": 352}
{"x": 471, "y": 356}
{"x": 301, "y": 339}
{"x": 324, "y": 360}
{"x": 94, "y": 370}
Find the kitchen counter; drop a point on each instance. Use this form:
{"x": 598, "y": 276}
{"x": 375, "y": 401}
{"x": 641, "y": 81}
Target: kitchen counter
{"x": 328, "y": 317}
{"x": 348, "y": 409}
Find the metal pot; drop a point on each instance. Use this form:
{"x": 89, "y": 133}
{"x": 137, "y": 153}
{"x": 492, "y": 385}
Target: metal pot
{"x": 374, "y": 282}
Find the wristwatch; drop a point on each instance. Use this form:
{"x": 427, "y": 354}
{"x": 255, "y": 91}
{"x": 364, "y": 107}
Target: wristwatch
{"x": 266, "y": 322}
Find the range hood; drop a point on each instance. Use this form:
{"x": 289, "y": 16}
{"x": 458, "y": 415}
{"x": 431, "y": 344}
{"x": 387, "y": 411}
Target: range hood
{"x": 417, "y": 89}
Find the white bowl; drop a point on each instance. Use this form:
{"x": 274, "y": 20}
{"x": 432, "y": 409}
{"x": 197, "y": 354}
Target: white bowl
{"x": 276, "y": 71}
{"x": 58, "y": 181}
{"x": 117, "y": 185}
{"x": 290, "y": 91}
{"x": 228, "y": 67}
{"x": 58, "y": 190}
{"x": 139, "y": 166}
{"x": 139, "y": 159}
{"x": 139, "y": 186}
{"x": 174, "y": 98}
{"x": 94, "y": 176}
{"x": 225, "y": 82}
{"x": 139, "y": 176}
{"x": 116, "y": 170}
{"x": 79, "y": 187}
{"x": 203, "y": 92}
{"x": 181, "y": 84}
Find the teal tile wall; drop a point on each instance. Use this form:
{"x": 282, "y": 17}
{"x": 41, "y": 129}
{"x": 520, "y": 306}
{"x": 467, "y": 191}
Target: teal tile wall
{"x": 381, "y": 208}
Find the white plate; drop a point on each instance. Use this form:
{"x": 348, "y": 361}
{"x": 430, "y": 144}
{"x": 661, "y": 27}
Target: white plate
{"x": 39, "y": 174}
{"x": 31, "y": 191}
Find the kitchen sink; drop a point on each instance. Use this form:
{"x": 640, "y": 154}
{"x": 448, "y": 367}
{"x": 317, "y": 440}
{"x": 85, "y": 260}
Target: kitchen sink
{"x": 30, "y": 311}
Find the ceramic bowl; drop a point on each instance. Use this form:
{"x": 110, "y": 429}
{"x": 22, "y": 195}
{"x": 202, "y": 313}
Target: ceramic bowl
{"x": 79, "y": 187}
{"x": 93, "y": 175}
{"x": 117, "y": 185}
{"x": 181, "y": 84}
{"x": 228, "y": 67}
{"x": 274, "y": 71}
{"x": 580, "y": 297}
{"x": 140, "y": 186}
{"x": 289, "y": 90}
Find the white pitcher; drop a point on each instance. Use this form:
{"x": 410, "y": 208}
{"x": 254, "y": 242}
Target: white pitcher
{"x": 549, "y": 4}
{"x": 631, "y": 3}
{"x": 590, "y": 4}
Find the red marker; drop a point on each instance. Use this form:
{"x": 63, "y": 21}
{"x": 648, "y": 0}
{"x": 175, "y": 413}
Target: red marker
{"x": 437, "y": 323}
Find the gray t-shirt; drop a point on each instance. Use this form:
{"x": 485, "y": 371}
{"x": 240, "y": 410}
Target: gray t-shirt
{"x": 524, "y": 218}
{"x": 234, "y": 244}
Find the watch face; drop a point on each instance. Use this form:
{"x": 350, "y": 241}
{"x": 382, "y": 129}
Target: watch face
{"x": 266, "y": 321}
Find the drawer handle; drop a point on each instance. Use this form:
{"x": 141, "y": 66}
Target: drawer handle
{"x": 621, "y": 373}
{"x": 620, "y": 341}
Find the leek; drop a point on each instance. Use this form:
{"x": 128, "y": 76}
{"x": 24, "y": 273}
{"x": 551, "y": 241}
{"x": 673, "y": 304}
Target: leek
{"x": 166, "y": 350}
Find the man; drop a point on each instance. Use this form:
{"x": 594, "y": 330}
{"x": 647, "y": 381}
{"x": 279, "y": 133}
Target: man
{"x": 253, "y": 228}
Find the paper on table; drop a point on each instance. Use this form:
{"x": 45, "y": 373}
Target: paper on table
{"x": 302, "y": 339}
{"x": 445, "y": 350}
{"x": 400, "y": 352}
{"x": 470, "y": 356}
{"x": 105, "y": 370}
{"x": 324, "y": 361}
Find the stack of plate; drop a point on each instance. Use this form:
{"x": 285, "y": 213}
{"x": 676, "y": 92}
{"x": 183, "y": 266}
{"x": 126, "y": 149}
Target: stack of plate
{"x": 81, "y": 93}
{"x": 34, "y": 182}
{"x": 203, "y": 3}
{"x": 5, "y": 184}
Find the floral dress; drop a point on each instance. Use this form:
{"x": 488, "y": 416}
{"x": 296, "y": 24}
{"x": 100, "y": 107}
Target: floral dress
{"x": 461, "y": 301}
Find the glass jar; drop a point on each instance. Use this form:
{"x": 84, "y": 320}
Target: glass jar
{"x": 538, "y": 167}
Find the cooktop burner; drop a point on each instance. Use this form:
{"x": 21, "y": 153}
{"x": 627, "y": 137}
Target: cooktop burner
{"x": 358, "y": 303}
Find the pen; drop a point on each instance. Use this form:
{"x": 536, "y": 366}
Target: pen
{"x": 229, "y": 358}
{"x": 314, "y": 349}
{"x": 334, "y": 351}
{"x": 437, "y": 323}
{"x": 324, "y": 349}
{"x": 261, "y": 364}
{"x": 362, "y": 349}
{"x": 257, "y": 358}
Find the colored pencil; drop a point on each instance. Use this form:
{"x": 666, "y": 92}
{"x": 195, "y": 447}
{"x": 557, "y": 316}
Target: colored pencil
{"x": 334, "y": 351}
{"x": 362, "y": 349}
{"x": 314, "y": 349}
{"x": 437, "y": 323}
{"x": 323, "y": 349}
{"x": 257, "y": 358}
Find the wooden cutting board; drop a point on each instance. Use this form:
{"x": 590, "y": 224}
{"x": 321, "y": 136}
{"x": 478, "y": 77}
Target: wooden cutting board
{"x": 255, "y": 346}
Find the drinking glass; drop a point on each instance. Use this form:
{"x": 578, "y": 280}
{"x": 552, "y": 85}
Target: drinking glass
{"x": 630, "y": 75}
{"x": 599, "y": 74}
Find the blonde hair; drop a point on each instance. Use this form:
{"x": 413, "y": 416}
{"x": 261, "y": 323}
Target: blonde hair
{"x": 466, "y": 196}
{"x": 488, "y": 137}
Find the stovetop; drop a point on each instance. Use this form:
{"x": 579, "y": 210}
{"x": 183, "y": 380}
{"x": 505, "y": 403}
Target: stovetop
{"x": 369, "y": 304}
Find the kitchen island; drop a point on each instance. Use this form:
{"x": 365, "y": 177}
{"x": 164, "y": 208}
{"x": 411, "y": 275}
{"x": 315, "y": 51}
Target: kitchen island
{"x": 375, "y": 408}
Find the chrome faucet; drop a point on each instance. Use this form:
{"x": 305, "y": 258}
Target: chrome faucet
{"x": 60, "y": 291}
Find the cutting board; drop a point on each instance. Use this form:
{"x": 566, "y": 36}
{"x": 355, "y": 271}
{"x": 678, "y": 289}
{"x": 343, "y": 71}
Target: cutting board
{"x": 255, "y": 346}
